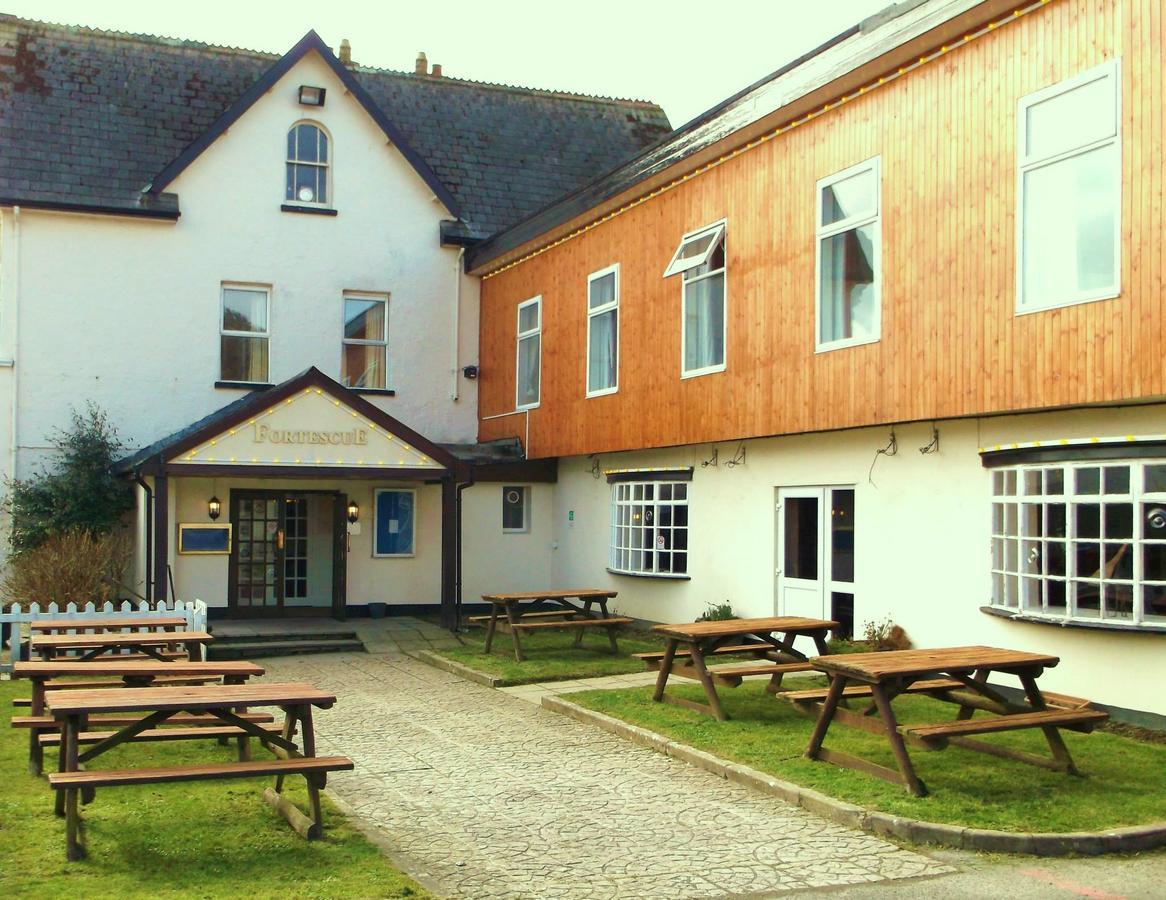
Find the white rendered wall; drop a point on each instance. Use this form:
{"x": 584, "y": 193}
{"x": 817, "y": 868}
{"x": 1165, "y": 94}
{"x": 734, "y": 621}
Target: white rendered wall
{"x": 494, "y": 561}
{"x": 126, "y": 312}
{"x": 921, "y": 540}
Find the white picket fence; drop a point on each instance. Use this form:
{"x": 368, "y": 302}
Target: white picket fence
{"x": 194, "y": 611}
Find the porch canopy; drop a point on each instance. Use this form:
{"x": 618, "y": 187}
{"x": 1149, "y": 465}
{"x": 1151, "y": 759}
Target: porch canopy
{"x": 310, "y": 426}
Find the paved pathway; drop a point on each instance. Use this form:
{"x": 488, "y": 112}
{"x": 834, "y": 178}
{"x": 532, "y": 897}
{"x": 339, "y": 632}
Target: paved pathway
{"x": 483, "y": 795}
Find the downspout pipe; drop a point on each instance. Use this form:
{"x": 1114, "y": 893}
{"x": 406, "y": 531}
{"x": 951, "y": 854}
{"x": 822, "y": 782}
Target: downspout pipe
{"x": 455, "y": 385}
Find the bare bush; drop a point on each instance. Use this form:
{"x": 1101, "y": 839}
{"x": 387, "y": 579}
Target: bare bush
{"x": 73, "y": 567}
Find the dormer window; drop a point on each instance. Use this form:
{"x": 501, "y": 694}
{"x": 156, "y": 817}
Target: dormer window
{"x": 307, "y": 165}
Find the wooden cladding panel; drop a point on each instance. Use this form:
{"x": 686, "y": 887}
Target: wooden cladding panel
{"x": 951, "y": 342}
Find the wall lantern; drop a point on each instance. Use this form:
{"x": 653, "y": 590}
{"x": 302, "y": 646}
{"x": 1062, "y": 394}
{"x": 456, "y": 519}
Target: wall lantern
{"x": 312, "y": 96}
{"x": 353, "y": 512}
{"x": 214, "y": 508}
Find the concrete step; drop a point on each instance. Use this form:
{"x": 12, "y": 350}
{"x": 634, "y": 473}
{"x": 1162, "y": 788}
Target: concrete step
{"x": 240, "y": 649}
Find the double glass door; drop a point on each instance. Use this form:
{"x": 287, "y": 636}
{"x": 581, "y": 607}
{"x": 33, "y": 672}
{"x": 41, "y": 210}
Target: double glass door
{"x": 815, "y": 554}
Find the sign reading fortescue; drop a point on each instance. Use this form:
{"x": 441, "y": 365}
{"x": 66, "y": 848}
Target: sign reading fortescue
{"x": 263, "y": 434}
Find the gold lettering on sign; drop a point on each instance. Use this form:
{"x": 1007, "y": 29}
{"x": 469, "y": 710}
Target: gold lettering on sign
{"x": 263, "y": 434}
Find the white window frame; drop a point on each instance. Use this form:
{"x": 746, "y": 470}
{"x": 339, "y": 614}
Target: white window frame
{"x": 326, "y": 166}
{"x": 615, "y": 548}
{"x": 1025, "y": 163}
{"x": 358, "y": 342}
{"x": 520, "y": 336}
{"x": 376, "y": 512}
{"x": 852, "y": 223}
{"x": 228, "y": 332}
{"x": 718, "y": 230}
{"x": 1013, "y": 547}
{"x": 525, "y": 527}
{"x": 613, "y": 306}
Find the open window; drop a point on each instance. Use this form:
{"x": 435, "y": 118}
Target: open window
{"x": 700, "y": 261}
{"x": 696, "y": 249}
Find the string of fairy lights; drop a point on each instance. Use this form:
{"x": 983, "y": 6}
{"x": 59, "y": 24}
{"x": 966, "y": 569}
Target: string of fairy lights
{"x": 789, "y": 126}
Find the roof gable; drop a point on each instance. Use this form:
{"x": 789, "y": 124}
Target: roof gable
{"x": 308, "y": 43}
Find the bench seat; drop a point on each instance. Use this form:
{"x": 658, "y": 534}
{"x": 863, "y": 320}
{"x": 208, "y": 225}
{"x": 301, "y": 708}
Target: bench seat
{"x": 657, "y": 655}
{"x": 818, "y": 695}
{"x": 1075, "y": 719}
{"x": 119, "y": 656}
{"x": 530, "y": 615}
{"x": 179, "y": 719}
{"x": 65, "y": 684}
{"x": 251, "y": 769}
{"x": 610, "y": 622}
{"x": 159, "y": 734}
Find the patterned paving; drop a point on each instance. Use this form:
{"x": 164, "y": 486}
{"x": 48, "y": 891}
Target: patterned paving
{"x": 489, "y": 796}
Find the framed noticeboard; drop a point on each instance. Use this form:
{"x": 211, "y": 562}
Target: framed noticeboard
{"x": 204, "y": 539}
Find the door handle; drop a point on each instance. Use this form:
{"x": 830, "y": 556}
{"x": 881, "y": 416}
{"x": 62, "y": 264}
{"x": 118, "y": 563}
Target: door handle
{"x": 279, "y": 539}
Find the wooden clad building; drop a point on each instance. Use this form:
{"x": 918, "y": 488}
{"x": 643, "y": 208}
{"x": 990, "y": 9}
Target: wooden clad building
{"x": 876, "y": 338}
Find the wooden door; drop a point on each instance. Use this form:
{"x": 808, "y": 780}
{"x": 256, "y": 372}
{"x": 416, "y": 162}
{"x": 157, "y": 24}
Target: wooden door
{"x": 256, "y": 571}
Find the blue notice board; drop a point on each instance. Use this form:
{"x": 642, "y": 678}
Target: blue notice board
{"x": 193, "y": 539}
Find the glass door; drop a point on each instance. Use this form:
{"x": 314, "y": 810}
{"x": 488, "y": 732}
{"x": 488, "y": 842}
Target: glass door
{"x": 257, "y": 578}
{"x": 815, "y": 554}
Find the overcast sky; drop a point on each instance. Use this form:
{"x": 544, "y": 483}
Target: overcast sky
{"x": 684, "y": 55}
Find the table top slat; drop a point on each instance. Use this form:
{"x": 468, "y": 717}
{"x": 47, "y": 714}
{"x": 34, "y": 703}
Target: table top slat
{"x": 109, "y": 623}
{"x": 878, "y": 666}
{"x": 114, "y": 668}
{"x": 581, "y": 594}
{"x": 189, "y": 698}
{"x": 688, "y": 631}
{"x": 137, "y": 639}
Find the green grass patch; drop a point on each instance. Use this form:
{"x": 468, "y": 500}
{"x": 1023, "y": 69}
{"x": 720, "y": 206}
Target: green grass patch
{"x": 550, "y": 656}
{"x": 1123, "y": 784}
{"x": 194, "y": 839}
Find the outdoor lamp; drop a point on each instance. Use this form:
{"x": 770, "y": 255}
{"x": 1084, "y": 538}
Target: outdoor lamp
{"x": 312, "y": 96}
{"x": 353, "y": 512}
{"x": 213, "y": 508}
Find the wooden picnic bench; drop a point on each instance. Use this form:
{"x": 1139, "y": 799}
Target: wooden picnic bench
{"x": 45, "y": 676}
{"x": 773, "y": 640}
{"x": 957, "y": 675}
{"x": 508, "y": 616}
{"x": 113, "y": 623}
{"x": 101, "y": 645}
{"x": 74, "y": 709}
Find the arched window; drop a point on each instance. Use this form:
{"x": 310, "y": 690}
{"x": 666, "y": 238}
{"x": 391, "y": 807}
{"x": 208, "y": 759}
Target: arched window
{"x": 307, "y": 164}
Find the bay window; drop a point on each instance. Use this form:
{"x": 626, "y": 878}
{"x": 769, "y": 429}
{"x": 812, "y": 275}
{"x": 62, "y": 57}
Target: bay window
{"x": 649, "y": 527}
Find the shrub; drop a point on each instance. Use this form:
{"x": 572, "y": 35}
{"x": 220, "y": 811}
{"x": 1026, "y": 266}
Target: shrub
{"x": 81, "y": 493}
{"x": 718, "y": 612}
{"x": 885, "y": 635}
{"x": 74, "y": 567}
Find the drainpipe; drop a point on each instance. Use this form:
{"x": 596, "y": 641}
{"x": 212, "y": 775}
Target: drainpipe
{"x": 15, "y": 313}
{"x": 149, "y": 567}
{"x": 457, "y": 312}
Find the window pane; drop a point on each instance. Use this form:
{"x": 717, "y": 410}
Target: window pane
{"x": 1117, "y": 479}
{"x": 244, "y": 359}
{"x": 307, "y": 186}
{"x": 1154, "y": 521}
{"x": 847, "y": 280}
{"x": 601, "y": 353}
{"x": 528, "y": 370}
{"x": 1069, "y": 244}
{"x": 1119, "y": 520}
{"x": 363, "y": 365}
{"x": 601, "y": 291}
{"x": 1054, "y": 481}
{"x": 704, "y": 323}
{"x": 1156, "y": 479}
{"x": 244, "y": 310}
{"x": 1081, "y": 116}
{"x": 848, "y": 198}
{"x": 696, "y": 246}
{"x": 514, "y": 508}
{"x": 364, "y": 319}
{"x": 842, "y": 535}
{"x": 1088, "y": 520}
{"x": 528, "y": 317}
{"x": 1088, "y": 481}
{"x": 801, "y": 538}
{"x": 323, "y": 147}
{"x": 306, "y": 144}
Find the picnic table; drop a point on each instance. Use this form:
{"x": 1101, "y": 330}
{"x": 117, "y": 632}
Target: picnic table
{"x": 155, "y": 645}
{"x": 772, "y": 640}
{"x": 113, "y": 623}
{"x": 47, "y": 676}
{"x": 571, "y": 609}
{"x": 957, "y": 675}
{"x": 73, "y": 708}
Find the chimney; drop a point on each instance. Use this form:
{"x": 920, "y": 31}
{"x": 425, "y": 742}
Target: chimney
{"x": 345, "y": 53}
{"x": 436, "y": 73}
{"x": 421, "y": 67}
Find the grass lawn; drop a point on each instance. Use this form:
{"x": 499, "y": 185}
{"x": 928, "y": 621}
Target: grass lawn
{"x": 550, "y": 656}
{"x": 197, "y": 839}
{"x": 1124, "y": 781}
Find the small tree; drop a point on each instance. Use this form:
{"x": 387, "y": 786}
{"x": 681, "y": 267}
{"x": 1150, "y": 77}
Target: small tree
{"x": 81, "y": 494}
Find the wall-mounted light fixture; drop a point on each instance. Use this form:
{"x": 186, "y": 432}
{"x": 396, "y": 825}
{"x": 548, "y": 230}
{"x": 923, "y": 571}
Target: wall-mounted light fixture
{"x": 214, "y": 508}
{"x": 353, "y": 512}
{"x": 312, "y": 96}
{"x": 470, "y": 372}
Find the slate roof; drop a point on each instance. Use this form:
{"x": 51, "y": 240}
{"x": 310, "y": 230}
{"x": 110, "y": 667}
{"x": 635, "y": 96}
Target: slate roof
{"x": 89, "y": 118}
